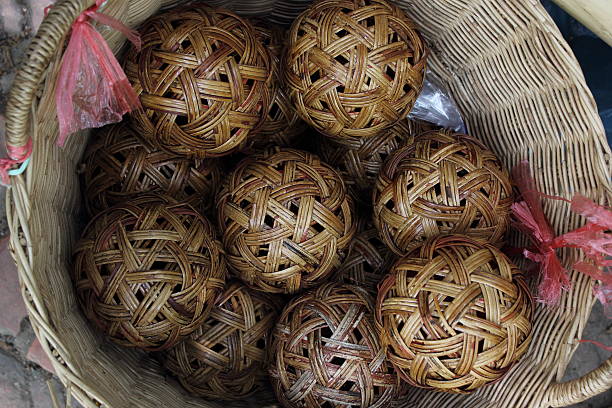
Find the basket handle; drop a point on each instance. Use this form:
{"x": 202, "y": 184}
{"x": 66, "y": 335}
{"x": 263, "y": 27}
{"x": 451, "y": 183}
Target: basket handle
{"x": 581, "y": 389}
{"x": 37, "y": 59}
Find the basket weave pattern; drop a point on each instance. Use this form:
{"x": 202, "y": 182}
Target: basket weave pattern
{"x": 456, "y": 314}
{"x": 147, "y": 272}
{"x": 354, "y": 67}
{"x": 326, "y": 351}
{"x": 286, "y": 220}
{"x": 225, "y": 357}
{"x": 202, "y": 79}
{"x": 119, "y": 164}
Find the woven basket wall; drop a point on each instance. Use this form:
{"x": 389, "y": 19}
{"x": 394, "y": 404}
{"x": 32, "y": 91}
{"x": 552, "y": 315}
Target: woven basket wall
{"x": 521, "y": 92}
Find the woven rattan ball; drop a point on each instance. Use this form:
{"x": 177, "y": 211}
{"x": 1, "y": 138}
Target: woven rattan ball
{"x": 442, "y": 183}
{"x": 286, "y": 220}
{"x": 359, "y": 159}
{"x": 326, "y": 352}
{"x": 282, "y": 124}
{"x": 368, "y": 261}
{"x": 455, "y": 314}
{"x": 202, "y": 77}
{"x": 354, "y": 67}
{"x": 225, "y": 358}
{"x": 147, "y": 272}
{"x": 119, "y": 164}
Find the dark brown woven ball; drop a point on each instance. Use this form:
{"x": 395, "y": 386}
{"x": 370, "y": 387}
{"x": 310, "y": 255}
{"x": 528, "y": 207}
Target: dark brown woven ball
{"x": 147, "y": 272}
{"x": 119, "y": 164}
{"x": 286, "y": 220}
{"x": 282, "y": 124}
{"x": 442, "y": 183}
{"x": 225, "y": 358}
{"x": 326, "y": 352}
{"x": 367, "y": 262}
{"x": 354, "y": 67}
{"x": 202, "y": 78}
{"x": 455, "y": 314}
{"x": 359, "y": 159}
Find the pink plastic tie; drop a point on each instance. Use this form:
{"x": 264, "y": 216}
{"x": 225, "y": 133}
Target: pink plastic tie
{"x": 593, "y": 239}
{"x": 92, "y": 89}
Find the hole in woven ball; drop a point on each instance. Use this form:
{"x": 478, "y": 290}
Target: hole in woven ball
{"x": 274, "y": 110}
{"x": 325, "y": 105}
{"x": 327, "y": 404}
{"x": 326, "y": 332}
{"x": 301, "y": 32}
{"x": 262, "y": 251}
{"x": 244, "y": 203}
{"x": 218, "y": 348}
{"x": 250, "y": 82}
{"x": 342, "y": 33}
{"x": 406, "y": 88}
{"x": 437, "y": 189}
{"x": 315, "y": 76}
{"x": 305, "y": 352}
{"x": 400, "y": 325}
{"x": 357, "y": 335}
{"x": 341, "y": 59}
{"x": 390, "y": 204}
{"x": 462, "y": 173}
{"x": 370, "y": 21}
{"x": 294, "y": 208}
{"x": 475, "y": 223}
{"x": 338, "y": 361}
{"x": 390, "y": 72}
{"x": 261, "y": 344}
{"x": 340, "y": 89}
{"x": 181, "y": 120}
{"x": 317, "y": 227}
{"x": 347, "y": 386}
{"x": 481, "y": 314}
{"x": 185, "y": 44}
{"x": 223, "y": 77}
{"x": 189, "y": 190}
{"x": 269, "y": 221}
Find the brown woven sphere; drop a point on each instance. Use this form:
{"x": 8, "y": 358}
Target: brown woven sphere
{"x": 367, "y": 262}
{"x": 225, "y": 358}
{"x": 202, "y": 77}
{"x": 326, "y": 352}
{"x": 119, "y": 164}
{"x": 147, "y": 272}
{"x": 282, "y": 125}
{"x": 455, "y": 314}
{"x": 286, "y": 220}
{"x": 442, "y": 183}
{"x": 354, "y": 67}
{"x": 359, "y": 160}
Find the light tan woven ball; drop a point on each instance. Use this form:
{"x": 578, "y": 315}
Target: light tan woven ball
{"x": 202, "y": 78}
{"x": 326, "y": 352}
{"x": 225, "y": 358}
{"x": 147, "y": 272}
{"x": 286, "y": 220}
{"x": 455, "y": 314}
{"x": 354, "y": 67}
{"x": 119, "y": 165}
{"x": 444, "y": 182}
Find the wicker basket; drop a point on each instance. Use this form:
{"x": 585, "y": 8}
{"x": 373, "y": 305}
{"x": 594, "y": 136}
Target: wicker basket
{"x": 521, "y": 92}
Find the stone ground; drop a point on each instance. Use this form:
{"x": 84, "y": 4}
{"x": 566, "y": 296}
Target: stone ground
{"x": 26, "y": 374}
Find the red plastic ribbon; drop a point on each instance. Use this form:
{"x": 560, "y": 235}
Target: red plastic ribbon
{"x": 594, "y": 239}
{"x": 17, "y": 155}
{"x": 92, "y": 89}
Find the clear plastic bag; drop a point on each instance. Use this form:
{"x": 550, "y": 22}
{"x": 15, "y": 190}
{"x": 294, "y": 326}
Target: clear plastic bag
{"x": 436, "y": 105}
